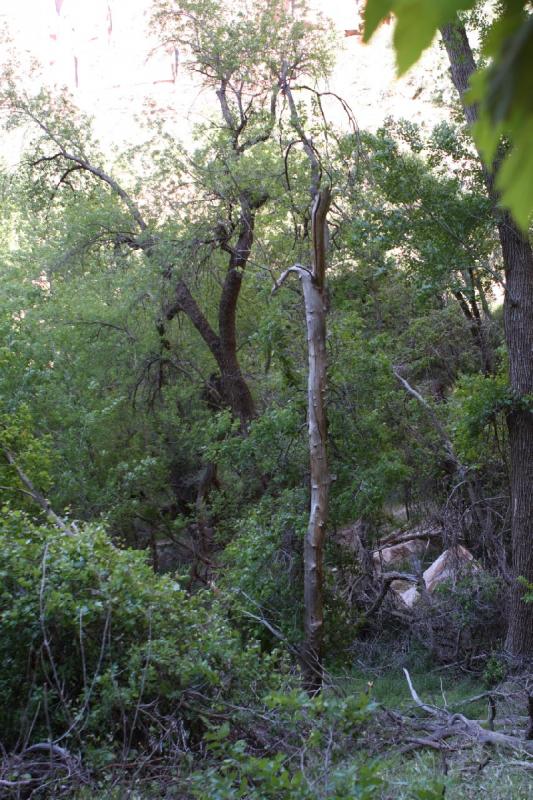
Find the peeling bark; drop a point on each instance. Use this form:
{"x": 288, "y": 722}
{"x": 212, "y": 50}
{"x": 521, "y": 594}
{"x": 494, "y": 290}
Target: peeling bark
{"x": 315, "y": 315}
{"x": 314, "y": 292}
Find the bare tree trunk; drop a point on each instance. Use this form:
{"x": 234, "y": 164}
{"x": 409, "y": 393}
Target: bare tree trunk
{"x": 518, "y": 316}
{"x": 314, "y": 292}
{"x": 315, "y": 315}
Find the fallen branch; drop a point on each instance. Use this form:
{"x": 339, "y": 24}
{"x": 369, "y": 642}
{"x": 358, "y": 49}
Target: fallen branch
{"x": 15, "y": 784}
{"x": 407, "y": 536}
{"x": 433, "y": 710}
{"x": 433, "y": 742}
{"x": 459, "y": 725}
{"x": 32, "y": 770}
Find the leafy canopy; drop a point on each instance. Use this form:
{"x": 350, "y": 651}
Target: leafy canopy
{"x": 501, "y": 88}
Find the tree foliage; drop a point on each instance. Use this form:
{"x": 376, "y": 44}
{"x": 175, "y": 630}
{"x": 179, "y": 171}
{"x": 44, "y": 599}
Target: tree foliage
{"x": 500, "y": 87}
{"x": 152, "y": 624}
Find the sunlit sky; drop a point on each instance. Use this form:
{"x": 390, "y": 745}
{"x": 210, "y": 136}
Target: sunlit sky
{"x": 101, "y": 50}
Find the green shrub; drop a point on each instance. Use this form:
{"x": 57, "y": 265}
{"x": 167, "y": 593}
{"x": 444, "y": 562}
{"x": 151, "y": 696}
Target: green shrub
{"x": 316, "y": 762}
{"x": 494, "y": 671}
{"x": 94, "y": 643}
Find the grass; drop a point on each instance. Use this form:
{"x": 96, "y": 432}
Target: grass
{"x": 468, "y": 773}
{"x": 438, "y": 687}
{"x": 465, "y": 774}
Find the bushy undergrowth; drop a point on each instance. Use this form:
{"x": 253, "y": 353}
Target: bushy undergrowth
{"x": 98, "y": 650}
{"x": 312, "y": 759}
{"x": 111, "y": 664}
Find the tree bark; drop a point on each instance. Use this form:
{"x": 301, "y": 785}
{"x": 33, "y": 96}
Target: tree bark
{"x": 518, "y": 317}
{"x": 315, "y": 316}
{"x": 223, "y": 345}
{"x": 314, "y": 289}
{"x": 314, "y": 292}
{"x": 234, "y": 386}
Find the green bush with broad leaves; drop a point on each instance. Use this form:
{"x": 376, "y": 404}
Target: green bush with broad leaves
{"x": 317, "y": 761}
{"x": 96, "y": 648}
{"x": 478, "y": 411}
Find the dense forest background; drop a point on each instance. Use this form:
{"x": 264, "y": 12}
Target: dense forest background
{"x": 266, "y": 432}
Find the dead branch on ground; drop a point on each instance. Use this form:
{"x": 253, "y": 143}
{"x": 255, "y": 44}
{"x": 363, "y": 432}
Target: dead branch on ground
{"x": 445, "y": 724}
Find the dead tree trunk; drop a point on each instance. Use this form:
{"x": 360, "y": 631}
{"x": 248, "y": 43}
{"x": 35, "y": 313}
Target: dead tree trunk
{"x": 314, "y": 292}
{"x": 518, "y": 316}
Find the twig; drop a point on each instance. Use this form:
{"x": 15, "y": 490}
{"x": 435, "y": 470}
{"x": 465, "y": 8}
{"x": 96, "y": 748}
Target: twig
{"x": 435, "y": 712}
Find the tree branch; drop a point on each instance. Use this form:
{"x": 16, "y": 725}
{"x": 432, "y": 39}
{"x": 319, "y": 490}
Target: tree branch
{"x": 186, "y": 303}
{"x": 310, "y": 150}
{"x": 460, "y": 725}
{"x": 437, "y": 424}
{"x": 37, "y": 497}
{"x": 297, "y": 269}
{"x": 96, "y": 171}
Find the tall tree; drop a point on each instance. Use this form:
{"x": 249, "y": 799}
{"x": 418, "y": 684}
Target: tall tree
{"x": 517, "y": 257}
{"x": 502, "y": 87}
{"x": 313, "y": 281}
{"x": 504, "y": 107}
{"x": 314, "y": 289}
{"x": 237, "y": 53}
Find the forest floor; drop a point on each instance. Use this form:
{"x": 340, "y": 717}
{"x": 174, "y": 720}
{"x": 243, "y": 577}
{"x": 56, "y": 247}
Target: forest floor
{"x": 466, "y": 770}
{"x": 456, "y": 768}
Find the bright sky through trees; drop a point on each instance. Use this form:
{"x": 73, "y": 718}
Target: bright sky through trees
{"x": 102, "y": 52}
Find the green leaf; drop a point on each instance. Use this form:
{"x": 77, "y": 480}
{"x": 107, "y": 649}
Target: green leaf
{"x": 416, "y": 26}
{"x": 374, "y": 13}
{"x": 487, "y": 137}
{"x": 418, "y": 22}
{"x": 515, "y": 176}
{"x": 502, "y": 89}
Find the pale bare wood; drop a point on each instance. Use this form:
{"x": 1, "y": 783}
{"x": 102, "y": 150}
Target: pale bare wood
{"x": 460, "y": 725}
{"x": 37, "y": 496}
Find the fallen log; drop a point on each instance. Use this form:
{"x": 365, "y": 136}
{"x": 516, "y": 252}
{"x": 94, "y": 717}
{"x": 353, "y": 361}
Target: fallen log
{"x": 459, "y": 725}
